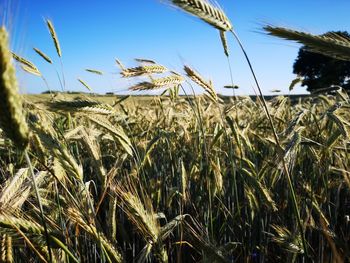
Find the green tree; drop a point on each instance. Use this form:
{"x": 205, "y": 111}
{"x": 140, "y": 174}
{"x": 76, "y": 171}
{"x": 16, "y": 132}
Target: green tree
{"x": 320, "y": 71}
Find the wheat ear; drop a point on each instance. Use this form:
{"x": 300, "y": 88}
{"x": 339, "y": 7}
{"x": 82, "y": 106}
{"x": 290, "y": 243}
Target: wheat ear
{"x": 54, "y": 37}
{"x": 332, "y": 45}
{"x": 205, "y": 11}
{"x": 94, "y": 71}
{"x": 158, "y": 83}
{"x": 198, "y": 79}
{"x": 12, "y": 119}
{"x": 224, "y": 43}
{"x": 26, "y": 65}
{"x": 143, "y": 70}
{"x": 43, "y": 55}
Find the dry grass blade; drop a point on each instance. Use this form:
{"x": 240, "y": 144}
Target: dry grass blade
{"x": 54, "y": 37}
{"x": 205, "y": 11}
{"x": 329, "y": 45}
{"x": 43, "y": 55}
{"x": 12, "y": 119}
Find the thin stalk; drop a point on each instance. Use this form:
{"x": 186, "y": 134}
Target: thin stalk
{"x": 63, "y": 78}
{"x": 59, "y": 79}
{"x": 39, "y": 202}
{"x": 286, "y": 171}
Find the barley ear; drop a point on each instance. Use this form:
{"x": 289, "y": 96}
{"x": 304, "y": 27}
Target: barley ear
{"x": 12, "y": 119}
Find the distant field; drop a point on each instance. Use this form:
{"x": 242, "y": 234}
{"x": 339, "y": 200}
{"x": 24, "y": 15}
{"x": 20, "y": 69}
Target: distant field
{"x": 111, "y": 99}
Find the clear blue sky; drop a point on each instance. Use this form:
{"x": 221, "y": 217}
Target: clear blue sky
{"x": 92, "y": 33}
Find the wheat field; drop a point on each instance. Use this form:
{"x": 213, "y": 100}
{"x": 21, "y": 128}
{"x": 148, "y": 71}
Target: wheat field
{"x": 177, "y": 177}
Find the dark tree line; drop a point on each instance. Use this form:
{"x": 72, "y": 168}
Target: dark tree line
{"x": 321, "y": 72}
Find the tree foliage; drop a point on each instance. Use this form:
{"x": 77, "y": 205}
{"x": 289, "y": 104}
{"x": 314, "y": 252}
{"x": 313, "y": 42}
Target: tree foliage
{"x": 320, "y": 71}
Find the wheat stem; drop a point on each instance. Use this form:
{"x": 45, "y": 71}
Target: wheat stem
{"x": 39, "y": 202}
{"x": 285, "y": 168}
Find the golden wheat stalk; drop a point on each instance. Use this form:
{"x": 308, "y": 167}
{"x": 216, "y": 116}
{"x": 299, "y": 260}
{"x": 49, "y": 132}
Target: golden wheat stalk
{"x": 54, "y": 37}
{"x": 332, "y": 45}
{"x": 166, "y": 81}
{"x": 22, "y": 60}
{"x": 81, "y": 105}
{"x": 158, "y": 83}
{"x": 31, "y": 70}
{"x": 43, "y": 55}
{"x": 78, "y": 218}
{"x": 85, "y": 84}
{"x": 198, "y": 79}
{"x": 12, "y": 119}
{"x": 120, "y": 64}
{"x": 143, "y": 70}
{"x": 205, "y": 11}
{"x": 26, "y": 65}
{"x": 224, "y": 43}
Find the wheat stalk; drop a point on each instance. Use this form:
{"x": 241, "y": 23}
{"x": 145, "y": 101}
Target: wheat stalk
{"x": 12, "y": 119}
{"x": 120, "y": 64}
{"x": 143, "y": 70}
{"x": 87, "y": 106}
{"x": 54, "y": 37}
{"x": 224, "y": 43}
{"x": 198, "y": 79}
{"x": 205, "y": 11}
{"x": 26, "y": 65}
{"x": 94, "y": 71}
{"x": 43, "y": 55}
{"x": 78, "y": 218}
{"x": 332, "y": 45}
{"x": 31, "y": 71}
{"x": 85, "y": 84}
{"x": 158, "y": 83}
{"x": 142, "y": 60}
